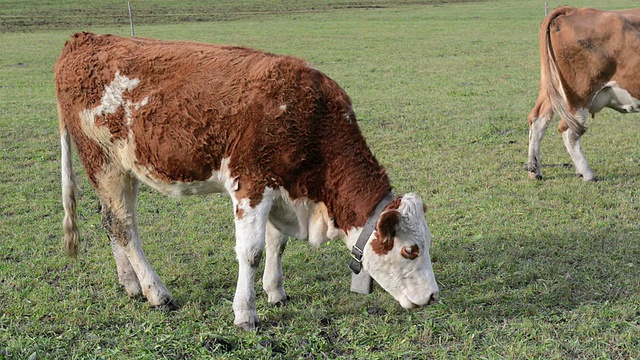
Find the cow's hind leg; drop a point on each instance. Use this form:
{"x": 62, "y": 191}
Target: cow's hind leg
{"x": 273, "y": 280}
{"x": 572, "y": 143}
{"x": 539, "y": 120}
{"x": 126, "y": 274}
{"x": 118, "y": 193}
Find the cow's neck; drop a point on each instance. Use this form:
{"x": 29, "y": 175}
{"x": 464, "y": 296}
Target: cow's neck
{"x": 352, "y": 193}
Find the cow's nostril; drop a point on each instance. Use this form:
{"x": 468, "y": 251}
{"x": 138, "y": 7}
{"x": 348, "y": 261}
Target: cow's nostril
{"x": 434, "y": 298}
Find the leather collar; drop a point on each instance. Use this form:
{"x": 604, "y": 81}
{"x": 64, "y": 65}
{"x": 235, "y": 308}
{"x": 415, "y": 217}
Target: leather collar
{"x": 358, "y": 249}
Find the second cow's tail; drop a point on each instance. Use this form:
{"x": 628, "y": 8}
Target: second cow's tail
{"x": 70, "y": 221}
{"x": 551, "y": 78}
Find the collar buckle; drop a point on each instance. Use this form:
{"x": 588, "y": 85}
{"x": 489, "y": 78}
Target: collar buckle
{"x": 356, "y": 259}
{"x": 358, "y": 249}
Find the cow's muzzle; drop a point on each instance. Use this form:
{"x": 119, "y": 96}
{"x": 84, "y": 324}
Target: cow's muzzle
{"x": 433, "y": 298}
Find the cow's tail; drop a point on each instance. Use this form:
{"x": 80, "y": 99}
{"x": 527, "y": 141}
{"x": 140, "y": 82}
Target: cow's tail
{"x": 70, "y": 221}
{"x": 551, "y": 78}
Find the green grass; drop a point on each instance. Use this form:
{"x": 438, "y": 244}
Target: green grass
{"x": 527, "y": 269}
{"x": 34, "y": 15}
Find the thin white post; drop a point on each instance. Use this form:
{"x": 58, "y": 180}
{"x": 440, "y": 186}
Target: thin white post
{"x": 546, "y": 8}
{"x": 131, "y": 19}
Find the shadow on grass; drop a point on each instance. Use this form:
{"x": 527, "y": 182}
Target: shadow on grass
{"x": 543, "y": 275}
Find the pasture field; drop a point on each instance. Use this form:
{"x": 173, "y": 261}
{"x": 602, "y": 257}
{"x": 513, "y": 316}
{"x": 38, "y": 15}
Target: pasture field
{"x": 527, "y": 269}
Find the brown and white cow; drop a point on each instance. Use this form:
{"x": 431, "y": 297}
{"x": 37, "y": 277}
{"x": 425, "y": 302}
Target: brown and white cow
{"x": 590, "y": 59}
{"x": 274, "y": 133}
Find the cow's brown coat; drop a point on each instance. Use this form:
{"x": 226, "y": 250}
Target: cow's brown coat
{"x": 277, "y": 135}
{"x": 208, "y": 102}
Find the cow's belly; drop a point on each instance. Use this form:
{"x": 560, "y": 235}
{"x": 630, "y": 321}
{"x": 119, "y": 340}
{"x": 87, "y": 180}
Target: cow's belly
{"x": 178, "y": 188}
{"x": 291, "y": 217}
{"x": 615, "y": 97}
{"x": 219, "y": 181}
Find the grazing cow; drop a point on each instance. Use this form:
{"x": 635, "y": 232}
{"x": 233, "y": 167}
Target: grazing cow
{"x": 277, "y": 135}
{"x": 590, "y": 60}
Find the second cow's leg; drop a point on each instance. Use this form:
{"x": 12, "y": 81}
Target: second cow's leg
{"x": 273, "y": 279}
{"x": 539, "y": 120}
{"x": 572, "y": 143}
{"x": 118, "y": 191}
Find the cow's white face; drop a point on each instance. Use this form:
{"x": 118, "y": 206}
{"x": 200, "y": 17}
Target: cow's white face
{"x": 397, "y": 255}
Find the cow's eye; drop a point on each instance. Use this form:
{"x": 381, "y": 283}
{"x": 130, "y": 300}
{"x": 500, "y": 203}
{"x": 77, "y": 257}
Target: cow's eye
{"x": 410, "y": 252}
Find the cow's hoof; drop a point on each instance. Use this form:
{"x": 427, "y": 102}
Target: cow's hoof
{"x": 167, "y": 306}
{"x": 533, "y": 175}
{"x": 132, "y": 288}
{"x": 246, "y": 319}
{"x": 248, "y": 326}
{"x": 137, "y": 296}
{"x": 277, "y": 297}
{"x": 282, "y": 302}
{"x": 588, "y": 177}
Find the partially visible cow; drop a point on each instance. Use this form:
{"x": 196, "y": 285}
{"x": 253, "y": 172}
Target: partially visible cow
{"x": 590, "y": 60}
{"x": 274, "y": 133}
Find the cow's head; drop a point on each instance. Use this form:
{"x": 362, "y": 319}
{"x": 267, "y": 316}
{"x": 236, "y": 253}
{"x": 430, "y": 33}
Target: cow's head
{"x": 397, "y": 255}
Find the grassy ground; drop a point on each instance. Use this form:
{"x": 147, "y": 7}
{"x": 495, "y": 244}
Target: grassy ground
{"x": 527, "y": 269}
{"x": 34, "y": 15}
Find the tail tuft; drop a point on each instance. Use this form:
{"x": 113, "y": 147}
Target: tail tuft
{"x": 71, "y": 235}
{"x": 70, "y": 221}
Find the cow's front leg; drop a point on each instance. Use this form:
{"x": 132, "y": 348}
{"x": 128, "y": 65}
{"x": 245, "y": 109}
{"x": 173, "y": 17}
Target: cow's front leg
{"x": 251, "y": 223}
{"x": 572, "y": 143}
{"x": 273, "y": 280}
{"x": 539, "y": 120}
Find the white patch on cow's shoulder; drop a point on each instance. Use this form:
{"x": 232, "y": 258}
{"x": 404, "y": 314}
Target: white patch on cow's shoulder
{"x": 92, "y": 121}
{"x": 283, "y": 107}
{"x": 322, "y": 227}
{"x": 113, "y": 96}
{"x": 615, "y": 97}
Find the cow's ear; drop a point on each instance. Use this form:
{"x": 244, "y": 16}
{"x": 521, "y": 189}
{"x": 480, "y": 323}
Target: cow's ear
{"x": 386, "y": 231}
